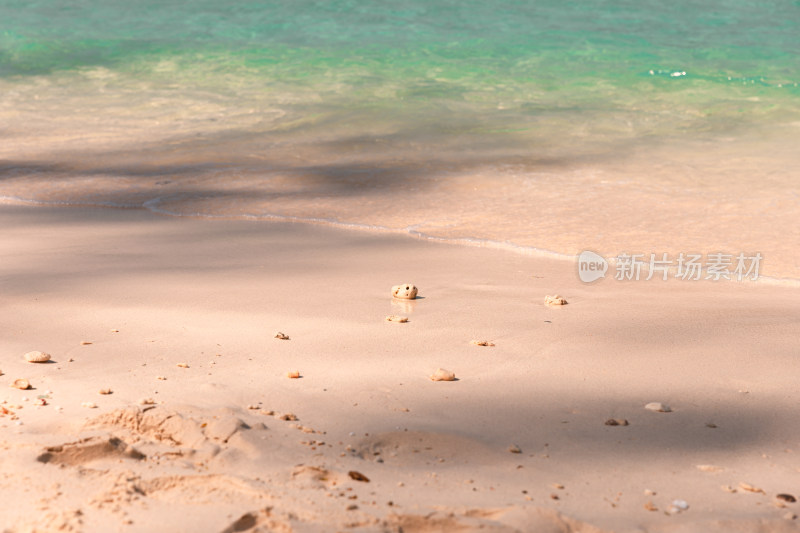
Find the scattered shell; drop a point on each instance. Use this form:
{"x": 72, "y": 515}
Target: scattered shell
{"x": 105, "y": 391}
{"x": 358, "y": 476}
{"x": 750, "y": 488}
{"x": 786, "y": 497}
{"x": 267, "y": 412}
{"x": 709, "y": 468}
{"x": 481, "y": 343}
{"x": 89, "y": 405}
{"x": 86, "y": 343}
{"x": 443, "y": 375}
{"x": 554, "y": 300}
{"x": 37, "y": 357}
{"x": 183, "y": 365}
{"x": 161, "y": 378}
{"x": 21, "y": 384}
{"x": 404, "y": 292}
{"x": 650, "y": 507}
{"x": 649, "y": 492}
{"x": 147, "y": 401}
{"x": 282, "y": 336}
{"x": 114, "y": 331}
{"x": 616, "y": 422}
{"x": 253, "y": 406}
{"x": 558, "y": 486}
{"x": 288, "y": 417}
{"x": 395, "y": 318}
{"x": 514, "y": 449}
{"x": 659, "y": 407}
{"x": 294, "y": 374}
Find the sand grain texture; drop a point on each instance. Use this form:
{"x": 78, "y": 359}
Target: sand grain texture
{"x": 230, "y": 444}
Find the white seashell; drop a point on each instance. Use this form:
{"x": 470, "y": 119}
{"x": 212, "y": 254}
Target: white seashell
{"x": 37, "y": 357}
{"x": 677, "y": 506}
{"x": 659, "y": 407}
{"x": 554, "y": 300}
{"x": 443, "y": 375}
{"x": 406, "y": 291}
{"x": 395, "y": 318}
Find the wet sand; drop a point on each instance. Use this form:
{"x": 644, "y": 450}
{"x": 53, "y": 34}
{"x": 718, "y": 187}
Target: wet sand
{"x": 519, "y": 442}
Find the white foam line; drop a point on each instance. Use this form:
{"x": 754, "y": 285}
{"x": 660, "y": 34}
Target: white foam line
{"x": 411, "y": 231}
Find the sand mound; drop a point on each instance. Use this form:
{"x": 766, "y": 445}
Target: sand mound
{"x": 157, "y": 423}
{"x": 87, "y": 450}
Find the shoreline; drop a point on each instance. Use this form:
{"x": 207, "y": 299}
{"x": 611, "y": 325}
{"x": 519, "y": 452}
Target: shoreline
{"x": 473, "y": 242}
{"x": 213, "y": 295}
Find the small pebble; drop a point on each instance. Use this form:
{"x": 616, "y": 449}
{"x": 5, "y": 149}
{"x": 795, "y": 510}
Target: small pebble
{"x": 282, "y": 336}
{"x": 554, "y": 300}
{"x": 514, "y": 449}
{"x": 294, "y": 374}
{"x": 358, "y": 476}
{"x": 105, "y": 391}
{"x": 616, "y": 422}
{"x": 443, "y": 375}
{"x": 786, "y": 497}
{"x": 710, "y": 468}
{"x": 658, "y": 407}
{"x": 161, "y": 378}
{"x": 481, "y": 343}
{"x": 750, "y": 488}
{"x": 147, "y": 401}
{"x": 790, "y": 516}
{"x": 183, "y": 365}
{"x": 37, "y": 357}
{"x": 650, "y": 507}
{"x": 89, "y": 405}
{"x": 395, "y": 318}
{"x": 21, "y": 384}
{"x": 85, "y": 343}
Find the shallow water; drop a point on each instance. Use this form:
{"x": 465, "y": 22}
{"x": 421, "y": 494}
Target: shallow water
{"x": 539, "y": 126}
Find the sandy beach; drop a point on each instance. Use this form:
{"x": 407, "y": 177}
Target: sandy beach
{"x": 202, "y": 430}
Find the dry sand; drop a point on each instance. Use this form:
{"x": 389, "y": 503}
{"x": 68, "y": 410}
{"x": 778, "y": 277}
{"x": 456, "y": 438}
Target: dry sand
{"x": 517, "y": 443}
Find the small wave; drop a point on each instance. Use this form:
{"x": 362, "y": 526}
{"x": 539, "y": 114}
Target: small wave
{"x": 154, "y": 207}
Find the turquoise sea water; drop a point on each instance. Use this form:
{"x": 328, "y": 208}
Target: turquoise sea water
{"x": 494, "y": 119}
